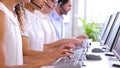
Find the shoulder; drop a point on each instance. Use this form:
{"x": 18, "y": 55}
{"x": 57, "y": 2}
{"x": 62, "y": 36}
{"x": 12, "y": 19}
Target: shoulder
{"x": 2, "y": 23}
{"x": 3, "y": 16}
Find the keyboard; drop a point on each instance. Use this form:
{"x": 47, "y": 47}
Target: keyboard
{"x": 73, "y": 62}
{"x": 76, "y": 60}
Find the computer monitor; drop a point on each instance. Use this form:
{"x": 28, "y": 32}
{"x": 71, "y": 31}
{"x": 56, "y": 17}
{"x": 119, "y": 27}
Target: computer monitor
{"x": 107, "y": 21}
{"x": 116, "y": 48}
{"x": 113, "y": 32}
{"x": 116, "y": 39}
{"x": 110, "y": 26}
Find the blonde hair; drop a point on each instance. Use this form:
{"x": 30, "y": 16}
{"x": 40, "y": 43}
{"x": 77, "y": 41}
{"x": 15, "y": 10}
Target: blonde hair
{"x": 19, "y": 9}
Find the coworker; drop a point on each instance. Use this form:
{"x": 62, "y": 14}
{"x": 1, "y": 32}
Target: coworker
{"x": 11, "y": 43}
{"x": 48, "y": 28}
{"x": 33, "y": 36}
{"x": 56, "y": 18}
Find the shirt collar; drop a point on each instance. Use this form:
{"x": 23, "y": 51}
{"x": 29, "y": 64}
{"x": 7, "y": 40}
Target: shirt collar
{"x": 56, "y": 15}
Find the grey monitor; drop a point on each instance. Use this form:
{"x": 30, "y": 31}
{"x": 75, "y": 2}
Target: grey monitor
{"x": 110, "y": 26}
{"x": 116, "y": 47}
{"x": 107, "y": 21}
{"x": 113, "y": 32}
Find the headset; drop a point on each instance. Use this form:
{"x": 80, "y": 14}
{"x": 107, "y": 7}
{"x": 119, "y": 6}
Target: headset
{"x": 36, "y": 4}
{"x": 61, "y": 3}
{"x": 54, "y": 1}
{"x": 47, "y": 5}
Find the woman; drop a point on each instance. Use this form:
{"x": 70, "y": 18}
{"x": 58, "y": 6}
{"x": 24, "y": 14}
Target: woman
{"x": 11, "y": 42}
{"x": 49, "y": 31}
{"x": 33, "y": 35}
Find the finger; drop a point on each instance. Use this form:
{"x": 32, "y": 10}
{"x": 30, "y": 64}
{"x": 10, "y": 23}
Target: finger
{"x": 66, "y": 51}
{"x": 67, "y": 46}
{"x": 66, "y": 55}
{"x": 79, "y": 42}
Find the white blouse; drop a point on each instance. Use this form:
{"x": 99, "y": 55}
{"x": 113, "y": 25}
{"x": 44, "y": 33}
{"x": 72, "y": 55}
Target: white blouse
{"x": 13, "y": 41}
{"x": 34, "y": 31}
{"x": 49, "y": 31}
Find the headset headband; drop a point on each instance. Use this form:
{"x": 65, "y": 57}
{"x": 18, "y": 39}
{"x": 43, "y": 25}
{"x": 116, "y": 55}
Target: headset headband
{"x": 62, "y": 2}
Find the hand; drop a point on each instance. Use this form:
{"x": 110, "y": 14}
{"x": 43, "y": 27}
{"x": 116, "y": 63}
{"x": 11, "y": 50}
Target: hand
{"x": 82, "y": 36}
{"x": 79, "y": 42}
{"x": 65, "y": 50}
{"x": 72, "y": 41}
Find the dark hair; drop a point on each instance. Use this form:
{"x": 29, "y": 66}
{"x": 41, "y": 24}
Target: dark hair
{"x": 62, "y": 2}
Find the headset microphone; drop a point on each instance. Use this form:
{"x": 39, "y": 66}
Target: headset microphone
{"x": 61, "y": 6}
{"x": 36, "y": 4}
{"x": 63, "y": 9}
{"x": 47, "y": 5}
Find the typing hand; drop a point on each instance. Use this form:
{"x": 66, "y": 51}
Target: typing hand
{"x": 82, "y": 36}
{"x": 73, "y": 41}
{"x": 66, "y": 50}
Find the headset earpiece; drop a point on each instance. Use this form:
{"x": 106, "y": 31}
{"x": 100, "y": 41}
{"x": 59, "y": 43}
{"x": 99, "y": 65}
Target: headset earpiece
{"x": 60, "y": 4}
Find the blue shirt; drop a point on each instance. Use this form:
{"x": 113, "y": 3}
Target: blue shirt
{"x": 58, "y": 24}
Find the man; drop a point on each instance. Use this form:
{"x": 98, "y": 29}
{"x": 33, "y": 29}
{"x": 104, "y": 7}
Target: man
{"x": 56, "y": 18}
{"x": 63, "y": 7}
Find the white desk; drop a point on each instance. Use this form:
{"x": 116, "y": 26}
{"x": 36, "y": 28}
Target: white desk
{"x": 47, "y": 67}
{"x": 106, "y": 61}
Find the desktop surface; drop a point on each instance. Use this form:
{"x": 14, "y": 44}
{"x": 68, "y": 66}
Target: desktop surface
{"x": 105, "y": 62}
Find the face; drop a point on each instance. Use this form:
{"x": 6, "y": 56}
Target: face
{"x": 66, "y": 7}
{"x": 49, "y": 5}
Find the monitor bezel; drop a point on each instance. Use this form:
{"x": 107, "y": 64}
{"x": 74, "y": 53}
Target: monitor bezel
{"x": 108, "y": 30}
{"x": 117, "y": 44}
{"x": 113, "y": 33}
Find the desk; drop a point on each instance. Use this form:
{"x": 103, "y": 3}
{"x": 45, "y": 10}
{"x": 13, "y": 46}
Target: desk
{"x": 47, "y": 67}
{"x": 106, "y": 61}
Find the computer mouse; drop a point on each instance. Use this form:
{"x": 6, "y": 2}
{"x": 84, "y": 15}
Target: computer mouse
{"x": 93, "y": 57}
{"x": 116, "y": 65}
{"x": 97, "y": 50}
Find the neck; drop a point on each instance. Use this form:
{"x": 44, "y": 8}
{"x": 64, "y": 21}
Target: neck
{"x": 43, "y": 11}
{"x": 9, "y": 5}
{"x": 30, "y": 7}
{"x": 58, "y": 11}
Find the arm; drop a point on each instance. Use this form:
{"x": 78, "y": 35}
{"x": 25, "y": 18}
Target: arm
{"x": 64, "y": 41}
{"x": 3, "y": 20}
{"x": 35, "y": 64}
{"x": 29, "y": 52}
{"x": 2, "y": 39}
{"x": 53, "y": 56}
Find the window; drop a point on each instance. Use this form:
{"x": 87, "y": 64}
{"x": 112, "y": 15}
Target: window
{"x": 98, "y": 10}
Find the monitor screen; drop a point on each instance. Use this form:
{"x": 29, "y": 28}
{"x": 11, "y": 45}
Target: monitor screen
{"x": 105, "y": 26}
{"x": 110, "y": 25}
{"x": 116, "y": 48}
{"x": 113, "y": 32}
